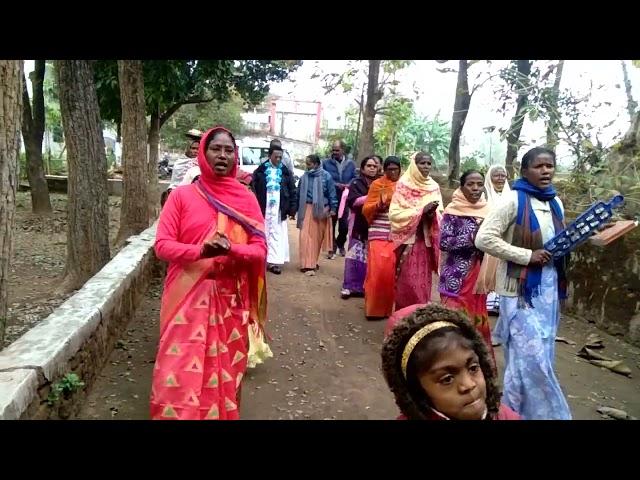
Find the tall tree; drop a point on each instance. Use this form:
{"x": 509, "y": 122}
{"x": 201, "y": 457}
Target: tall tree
{"x": 374, "y": 94}
{"x": 632, "y": 105}
{"x": 33, "y": 122}
{"x": 134, "y": 216}
{"x": 88, "y": 201}
{"x": 11, "y": 72}
{"x": 460, "y": 111}
{"x": 153, "y": 140}
{"x": 553, "y": 121}
{"x": 520, "y": 85}
{"x": 359, "y": 75}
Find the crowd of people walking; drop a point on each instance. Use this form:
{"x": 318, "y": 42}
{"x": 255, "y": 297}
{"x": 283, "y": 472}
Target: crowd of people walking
{"x": 223, "y": 229}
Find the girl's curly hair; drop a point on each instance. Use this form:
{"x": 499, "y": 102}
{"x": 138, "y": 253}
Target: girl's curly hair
{"x": 409, "y": 394}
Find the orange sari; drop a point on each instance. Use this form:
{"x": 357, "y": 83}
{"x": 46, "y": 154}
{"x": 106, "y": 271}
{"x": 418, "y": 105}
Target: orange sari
{"x": 379, "y": 285}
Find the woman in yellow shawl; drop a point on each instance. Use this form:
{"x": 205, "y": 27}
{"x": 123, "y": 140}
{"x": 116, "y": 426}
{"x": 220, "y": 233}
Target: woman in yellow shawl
{"x": 414, "y": 213}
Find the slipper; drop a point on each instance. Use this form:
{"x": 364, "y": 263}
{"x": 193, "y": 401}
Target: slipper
{"x": 594, "y": 341}
{"x": 615, "y": 366}
{"x": 589, "y": 354}
{"x": 614, "y": 413}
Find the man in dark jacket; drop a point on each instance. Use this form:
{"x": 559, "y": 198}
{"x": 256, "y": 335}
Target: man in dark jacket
{"x": 342, "y": 170}
{"x": 286, "y": 159}
{"x": 275, "y": 189}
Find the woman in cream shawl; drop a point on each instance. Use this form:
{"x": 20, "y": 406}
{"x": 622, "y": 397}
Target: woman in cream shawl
{"x": 496, "y": 188}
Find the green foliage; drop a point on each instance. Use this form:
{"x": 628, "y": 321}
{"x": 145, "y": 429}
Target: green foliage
{"x": 202, "y": 116}
{"x": 474, "y": 161}
{"x": 348, "y": 136}
{"x": 111, "y": 159}
{"x": 349, "y": 133}
{"x": 58, "y": 166}
{"x": 397, "y": 113}
{"x": 413, "y": 133}
{"x": 52, "y": 116}
{"x": 433, "y": 136}
{"x": 67, "y": 385}
{"x": 22, "y": 165}
{"x": 168, "y": 83}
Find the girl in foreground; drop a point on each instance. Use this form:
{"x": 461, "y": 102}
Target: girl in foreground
{"x": 439, "y": 368}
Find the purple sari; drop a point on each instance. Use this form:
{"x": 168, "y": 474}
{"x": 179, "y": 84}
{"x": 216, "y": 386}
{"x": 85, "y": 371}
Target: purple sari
{"x": 355, "y": 264}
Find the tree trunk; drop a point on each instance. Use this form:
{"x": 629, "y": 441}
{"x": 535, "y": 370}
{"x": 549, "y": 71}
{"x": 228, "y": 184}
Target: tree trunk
{"x": 374, "y": 94}
{"x": 522, "y": 80}
{"x": 632, "y": 105}
{"x": 11, "y": 72}
{"x": 134, "y": 218}
{"x": 33, "y": 134}
{"x": 152, "y": 172}
{"x": 623, "y": 160}
{"x": 625, "y": 154}
{"x": 88, "y": 200}
{"x": 552, "y": 123}
{"x": 360, "y": 106}
{"x": 460, "y": 111}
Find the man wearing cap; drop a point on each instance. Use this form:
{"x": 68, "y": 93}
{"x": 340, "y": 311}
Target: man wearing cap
{"x": 286, "y": 159}
{"x": 181, "y": 165}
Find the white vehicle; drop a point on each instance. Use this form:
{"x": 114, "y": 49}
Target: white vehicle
{"x": 251, "y": 152}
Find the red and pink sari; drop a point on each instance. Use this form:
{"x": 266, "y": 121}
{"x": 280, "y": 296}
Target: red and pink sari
{"x": 208, "y": 304}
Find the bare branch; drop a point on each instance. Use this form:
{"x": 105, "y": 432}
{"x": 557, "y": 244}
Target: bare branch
{"x": 476, "y": 87}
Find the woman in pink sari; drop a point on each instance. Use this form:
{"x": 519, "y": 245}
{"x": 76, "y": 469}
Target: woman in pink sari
{"x": 212, "y": 234}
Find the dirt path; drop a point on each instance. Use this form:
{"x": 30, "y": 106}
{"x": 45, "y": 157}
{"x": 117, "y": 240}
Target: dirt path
{"x": 326, "y": 361}
{"x": 37, "y": 264}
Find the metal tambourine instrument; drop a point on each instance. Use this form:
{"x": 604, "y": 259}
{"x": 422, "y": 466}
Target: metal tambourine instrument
{"x": 596, "y": 216}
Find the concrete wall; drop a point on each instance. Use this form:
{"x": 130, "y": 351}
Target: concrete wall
{"x": 58, "y": 184}
{"x": 604, "y": 286}
{"x": 77, "y": 337}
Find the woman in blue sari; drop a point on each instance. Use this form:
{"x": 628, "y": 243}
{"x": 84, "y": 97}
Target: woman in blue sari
{"x": 530, "y": 284}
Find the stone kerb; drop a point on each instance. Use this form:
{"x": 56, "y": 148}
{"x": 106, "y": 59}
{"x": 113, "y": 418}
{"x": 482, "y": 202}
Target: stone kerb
{"x": 78, "y": 336}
